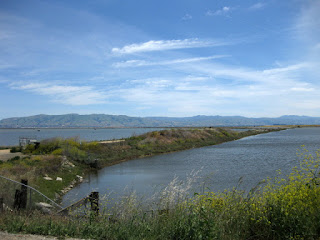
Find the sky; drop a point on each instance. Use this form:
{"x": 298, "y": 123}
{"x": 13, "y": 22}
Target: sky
{"x": 173, "y": 58}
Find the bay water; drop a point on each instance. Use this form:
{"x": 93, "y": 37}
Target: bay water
{"x": 10, "y": 137}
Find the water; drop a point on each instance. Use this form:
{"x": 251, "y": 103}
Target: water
{"x": 253, "y": 158}
{"x": 10, "y": 137}
{"x": 221, "y": 166}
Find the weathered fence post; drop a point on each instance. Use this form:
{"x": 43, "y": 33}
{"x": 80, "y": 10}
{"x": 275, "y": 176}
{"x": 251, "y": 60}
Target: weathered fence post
{"x": 17, "y": 199}
{"x": 24, "y": 194}
{"x": 30, "y": 198}
{"x": 94, "y": 200}
{"x": 1, "y": 204}
{"x": 21, "y": 196}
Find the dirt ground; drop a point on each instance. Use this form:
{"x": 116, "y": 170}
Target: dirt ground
{"x": 5, "y": 154}
{"x": 9, "y": 236}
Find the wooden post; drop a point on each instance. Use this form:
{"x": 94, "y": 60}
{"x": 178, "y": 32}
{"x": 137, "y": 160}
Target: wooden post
{"x": 24, "y": 194}
{"x": 21, "y": 196}
{"x": 17, "y": 199}
{"x": 1, "y": 204}
{"x": 30, "y": 199}
{"x": 94, "y": 200}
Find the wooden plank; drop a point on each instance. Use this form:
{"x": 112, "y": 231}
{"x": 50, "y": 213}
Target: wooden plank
{"x": 65, "y": 210}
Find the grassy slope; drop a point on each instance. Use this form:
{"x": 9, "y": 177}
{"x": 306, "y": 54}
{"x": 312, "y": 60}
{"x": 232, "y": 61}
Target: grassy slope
{"x": 34, "y": 168}
{"x": 165, "y": 141}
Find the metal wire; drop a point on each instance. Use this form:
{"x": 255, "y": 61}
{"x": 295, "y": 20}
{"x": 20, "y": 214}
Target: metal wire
{"x": 57, "y": 205}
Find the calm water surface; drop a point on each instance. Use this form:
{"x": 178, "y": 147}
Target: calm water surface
{"x": 10, "y": 137}
{"x": 253, "y": 158}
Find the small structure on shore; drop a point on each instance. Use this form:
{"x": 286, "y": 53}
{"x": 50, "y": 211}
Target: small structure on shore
{"x": 24, "y": 141}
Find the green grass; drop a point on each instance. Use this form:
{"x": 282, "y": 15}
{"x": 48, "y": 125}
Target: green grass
{"x": 34, "y": 168}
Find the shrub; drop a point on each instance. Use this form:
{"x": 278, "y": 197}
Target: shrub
{"x": 58, "y": 151}
{"x": 16, "y": 158}
{"x": 15, "y": 149}
{"x": 74, "y": 153}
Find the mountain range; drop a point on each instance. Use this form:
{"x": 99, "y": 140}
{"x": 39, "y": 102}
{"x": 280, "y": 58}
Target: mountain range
{"x": 104, "y": 120}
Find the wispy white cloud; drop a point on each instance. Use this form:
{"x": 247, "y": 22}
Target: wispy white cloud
{"x": 222, "y": 11}
{"x": 162, "y": 45}
{"x": 216, "y": 87}
{"x": 65, "y": 94}
{"x": 302, "y": 89}
{"x": 290, "y": 68}
{"x": 257, "y": 6}
{"x": 140, "y": 63}
{"x": 187, "y": 17}
{"x": 192, "y": 78}
{"x": 288, "y": 74}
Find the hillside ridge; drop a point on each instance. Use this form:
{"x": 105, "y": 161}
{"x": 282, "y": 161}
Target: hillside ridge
{"x": 104, "y": 120}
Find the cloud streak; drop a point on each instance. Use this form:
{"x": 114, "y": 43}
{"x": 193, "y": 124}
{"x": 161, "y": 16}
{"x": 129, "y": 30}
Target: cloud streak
{"x": 65, "y": 94}
{"x": 164, "y": 45}
{"x": 216, "y": 87}
{"x": 142, "y": 63}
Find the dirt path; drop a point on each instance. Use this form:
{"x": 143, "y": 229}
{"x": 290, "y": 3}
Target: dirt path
{"x": 9, "y": 236}
{"x": 5, "y": 154}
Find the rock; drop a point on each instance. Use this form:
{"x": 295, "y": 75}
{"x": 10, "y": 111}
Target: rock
{"x": 6, "y": 208}
{"x": 44, "y": 207}
{"x": 57, "y": 196}
{"x": 47, "y": 178}
{"x": 43, "y": 204}
{"x": 59, "y": 179}
{"x": 80, "y": 178}
{"x": 66, "y": 163}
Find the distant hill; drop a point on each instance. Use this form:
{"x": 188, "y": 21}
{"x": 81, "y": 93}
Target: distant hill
{"x": 103, "y": 120}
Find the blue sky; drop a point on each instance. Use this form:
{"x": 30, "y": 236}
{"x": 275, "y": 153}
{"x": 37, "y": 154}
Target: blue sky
{"x": 160, "y": 58}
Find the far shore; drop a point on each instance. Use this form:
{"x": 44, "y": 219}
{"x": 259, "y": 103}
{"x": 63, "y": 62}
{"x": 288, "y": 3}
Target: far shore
{"x": 168, "y": 127}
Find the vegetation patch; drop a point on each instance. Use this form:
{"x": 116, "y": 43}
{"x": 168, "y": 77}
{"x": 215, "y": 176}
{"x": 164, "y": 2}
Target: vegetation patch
{"x": 35, "y": 168}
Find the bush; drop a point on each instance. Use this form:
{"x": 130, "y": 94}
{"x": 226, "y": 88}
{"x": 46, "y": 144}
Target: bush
{"x": 16, "y": 158}
{"x": 74, "y": 153}
{"x": 15, "y": 149}
{"x": 58, "y": 151}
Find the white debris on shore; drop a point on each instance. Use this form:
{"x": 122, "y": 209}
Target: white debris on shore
{"x": 44, "y": 207}
{"x": 66, "y": 163}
